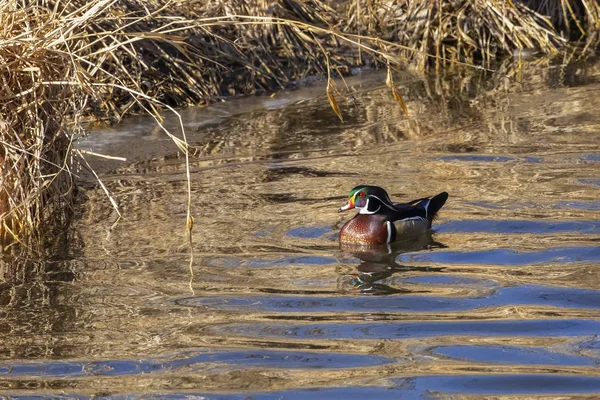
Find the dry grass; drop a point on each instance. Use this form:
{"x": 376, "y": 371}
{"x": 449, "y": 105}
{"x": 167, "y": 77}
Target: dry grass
{"x": 62, "y": 60}
{"x": 36, "y": 119}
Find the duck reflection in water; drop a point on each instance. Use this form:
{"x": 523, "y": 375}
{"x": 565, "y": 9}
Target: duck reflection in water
{"x": 379, "y": 263}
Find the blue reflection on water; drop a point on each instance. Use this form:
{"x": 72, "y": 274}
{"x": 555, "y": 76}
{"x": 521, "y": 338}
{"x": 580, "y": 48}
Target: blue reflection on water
{"x": 555, "y": 255}
{"x": 514, "y": 355}
{"x": 190, "y": 361}
{"x": 309, "y": 232}
{"x": 396, "y": 330}
{"x": 412, "y": 388}
{"x": 518, "y": 295}
{"x": 520, "y": 226}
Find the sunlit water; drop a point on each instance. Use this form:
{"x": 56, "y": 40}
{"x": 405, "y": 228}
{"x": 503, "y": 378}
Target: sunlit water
{"x": 502, "y": 299}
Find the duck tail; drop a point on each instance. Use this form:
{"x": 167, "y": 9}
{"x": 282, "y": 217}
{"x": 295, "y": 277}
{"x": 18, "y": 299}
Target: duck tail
{"x": 433, "y": 205}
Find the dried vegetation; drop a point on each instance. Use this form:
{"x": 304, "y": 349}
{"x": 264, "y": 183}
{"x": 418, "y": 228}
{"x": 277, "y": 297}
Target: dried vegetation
{"x": 60, "y": 61}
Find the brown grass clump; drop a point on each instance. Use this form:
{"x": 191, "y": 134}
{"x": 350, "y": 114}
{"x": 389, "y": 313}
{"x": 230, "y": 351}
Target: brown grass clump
{"x": 61, "y": 60}
{"x": 474, "y": 31}
{"x": 37, "y": 118}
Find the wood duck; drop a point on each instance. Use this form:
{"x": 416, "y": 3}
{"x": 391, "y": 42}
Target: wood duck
{"x": 379, "y": 221}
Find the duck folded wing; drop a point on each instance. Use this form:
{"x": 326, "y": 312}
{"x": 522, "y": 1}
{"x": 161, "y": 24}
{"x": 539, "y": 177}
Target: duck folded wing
{"x": 425, "y": 208}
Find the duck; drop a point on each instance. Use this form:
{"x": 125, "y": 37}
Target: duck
{"x": 379, "y": 221}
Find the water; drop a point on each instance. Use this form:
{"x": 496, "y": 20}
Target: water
{"x": 502, "y": 299}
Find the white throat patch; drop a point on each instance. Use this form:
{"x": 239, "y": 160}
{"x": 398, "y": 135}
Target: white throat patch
{"x": 365, "y": 209}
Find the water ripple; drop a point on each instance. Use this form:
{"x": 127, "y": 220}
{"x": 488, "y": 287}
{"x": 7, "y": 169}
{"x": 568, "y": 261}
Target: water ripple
{"x": 520, "y": 295}
{"x": 514, "y": 355}
{"x": 398, "y": 330}
{"x": 411, "y": 388}
{"x": 520, "y": 226}
{"x": 556, "y": 255}
{"x": 190, "y": 361}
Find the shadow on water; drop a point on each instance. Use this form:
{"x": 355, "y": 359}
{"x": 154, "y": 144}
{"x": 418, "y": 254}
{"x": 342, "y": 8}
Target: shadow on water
{"x": 501, "y": 299}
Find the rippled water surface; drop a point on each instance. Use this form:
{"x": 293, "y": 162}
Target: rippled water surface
{"x": 502, "y": 299}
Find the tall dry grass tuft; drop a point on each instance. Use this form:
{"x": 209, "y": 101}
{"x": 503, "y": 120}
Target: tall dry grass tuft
{"x": 576, "y": 19}
{"x": 53, "y": 68}
{"x": 38, "y": 119}
{"x": 62, "y": 60}
{"x": 473, "y": 31}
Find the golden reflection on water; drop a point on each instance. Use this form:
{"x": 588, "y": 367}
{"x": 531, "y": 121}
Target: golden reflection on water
{"x": 268, "y": 273}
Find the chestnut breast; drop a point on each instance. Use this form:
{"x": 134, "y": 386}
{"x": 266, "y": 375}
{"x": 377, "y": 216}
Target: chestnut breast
{"x": 364, "y": 229}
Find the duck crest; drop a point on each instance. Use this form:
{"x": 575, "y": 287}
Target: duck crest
{"x": 380, "y": 221}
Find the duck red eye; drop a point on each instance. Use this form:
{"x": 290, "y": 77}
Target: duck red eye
{"x": 361, "y": 194}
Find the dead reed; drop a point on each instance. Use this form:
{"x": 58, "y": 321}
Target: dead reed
{"x": 60, "y": 61}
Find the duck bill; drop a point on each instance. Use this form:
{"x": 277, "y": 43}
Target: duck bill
{"x": 348, "y": 206}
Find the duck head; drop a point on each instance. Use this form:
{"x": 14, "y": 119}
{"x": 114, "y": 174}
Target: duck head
{"x": 367, "y": 200}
